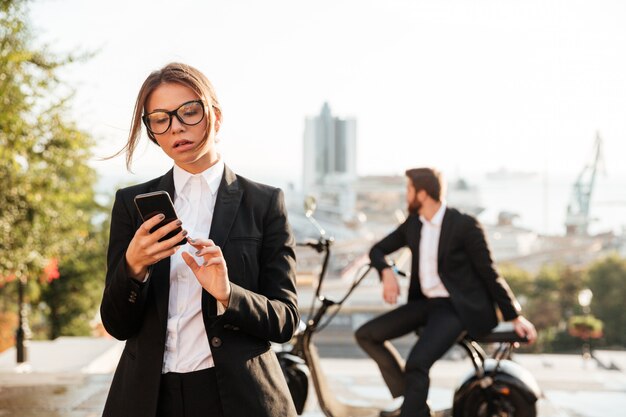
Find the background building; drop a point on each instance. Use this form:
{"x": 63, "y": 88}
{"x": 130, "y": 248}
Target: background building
{"x": 329, "y": 163}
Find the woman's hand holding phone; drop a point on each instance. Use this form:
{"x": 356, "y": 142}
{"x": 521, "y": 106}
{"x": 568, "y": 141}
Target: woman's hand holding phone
{"x": 145, "y": 249}
{"x": 213, "y": 273}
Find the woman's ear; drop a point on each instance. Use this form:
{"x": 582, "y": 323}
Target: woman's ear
{"x": 218, "y": 119}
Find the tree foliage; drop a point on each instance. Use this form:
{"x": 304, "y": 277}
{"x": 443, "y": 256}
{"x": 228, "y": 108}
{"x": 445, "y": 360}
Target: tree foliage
{"x": 549, "y": 299}
{"x": 47, "y": 194}
{"x": 551, "y": 303}
{"x": 607, "y": 281}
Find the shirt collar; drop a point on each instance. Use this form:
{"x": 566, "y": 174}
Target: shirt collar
{"x": 438, "y": 217}
{"x": 212, "y": 176}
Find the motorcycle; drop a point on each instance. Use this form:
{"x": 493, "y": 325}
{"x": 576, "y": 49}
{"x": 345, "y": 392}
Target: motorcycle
{"x": 496, "y": 387}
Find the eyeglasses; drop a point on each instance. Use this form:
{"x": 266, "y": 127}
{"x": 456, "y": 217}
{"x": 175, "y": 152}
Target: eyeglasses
{"x": 190, "y": 113}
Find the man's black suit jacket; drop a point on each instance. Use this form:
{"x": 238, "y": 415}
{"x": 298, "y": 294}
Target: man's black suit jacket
{"x": 250, "y": 225}
{"x": 464, "y": 265}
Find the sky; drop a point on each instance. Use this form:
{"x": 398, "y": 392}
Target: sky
{"x": 464, "y": 86}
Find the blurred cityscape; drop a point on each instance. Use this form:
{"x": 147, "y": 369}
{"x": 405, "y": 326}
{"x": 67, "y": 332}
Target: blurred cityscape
{"x": 358, "y": 210}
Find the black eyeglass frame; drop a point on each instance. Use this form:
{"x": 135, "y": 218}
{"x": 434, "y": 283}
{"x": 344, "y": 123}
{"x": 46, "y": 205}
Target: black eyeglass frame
{"x": 173, "y": 113}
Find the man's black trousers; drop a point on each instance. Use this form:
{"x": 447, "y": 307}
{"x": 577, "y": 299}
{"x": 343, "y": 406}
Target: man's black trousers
{"x": 439, "y": 328}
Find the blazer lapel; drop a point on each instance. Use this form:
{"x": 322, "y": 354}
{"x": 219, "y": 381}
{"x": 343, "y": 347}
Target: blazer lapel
{"x": 160, "y": 275}
{"x": 226, "y": 205}
{"x": 418, "y": 239}
{"x": 446, "y": 231}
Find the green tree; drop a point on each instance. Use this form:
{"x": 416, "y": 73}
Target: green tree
{"x": 72, "y": 300}
{"x": 520, "y": 280}
{"x": 47, "y": 194}
{"x": 607, "y": 281}
{"x": 548, "y": 299}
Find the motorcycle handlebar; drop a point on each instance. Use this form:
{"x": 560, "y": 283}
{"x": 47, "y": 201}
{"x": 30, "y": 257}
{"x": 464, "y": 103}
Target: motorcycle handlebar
{"x": 319, "y": 245}
{"x": 308, "y": 242}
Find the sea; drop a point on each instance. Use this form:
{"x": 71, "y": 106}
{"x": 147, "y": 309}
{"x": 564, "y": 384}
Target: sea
{"x": 541, "y": 201}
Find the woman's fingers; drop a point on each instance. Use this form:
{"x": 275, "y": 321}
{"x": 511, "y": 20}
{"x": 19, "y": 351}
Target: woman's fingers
{"x": 212, "y": 274}
{"x": 148, "y": 239}
{"x": 162, "y": 253}
{"x": 209, "y": 251}
{"x": 166, "y": 229}
{"x": 150, "y": 223}
{"x": 173, "y": 241}
{"x": 190, "y": 261}
{"x": 145, "y": 249}
{"x": 200, "y": 243}
{"x": 156, "y": 249}
{"x": 218, "y": 260}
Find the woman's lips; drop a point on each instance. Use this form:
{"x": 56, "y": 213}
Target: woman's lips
{"x": 183, "y": 145}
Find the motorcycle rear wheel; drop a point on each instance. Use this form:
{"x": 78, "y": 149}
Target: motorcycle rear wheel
{"x": 513, "y": 404}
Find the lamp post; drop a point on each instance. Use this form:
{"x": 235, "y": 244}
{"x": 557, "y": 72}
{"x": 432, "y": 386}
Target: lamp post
{"x": 23, "y": 330}
{"x": 584, "y": 299}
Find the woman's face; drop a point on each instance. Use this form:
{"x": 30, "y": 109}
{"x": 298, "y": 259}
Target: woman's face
{"x": 181, "y": 142}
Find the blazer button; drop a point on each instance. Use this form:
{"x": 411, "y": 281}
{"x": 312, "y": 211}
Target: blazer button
{"x": 216, "y": 342}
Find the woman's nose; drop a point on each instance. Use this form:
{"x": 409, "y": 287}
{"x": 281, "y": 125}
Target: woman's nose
{"x": 177, "y": 125}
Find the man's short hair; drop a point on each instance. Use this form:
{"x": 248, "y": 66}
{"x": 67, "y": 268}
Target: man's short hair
{"x": 429, "y": 180}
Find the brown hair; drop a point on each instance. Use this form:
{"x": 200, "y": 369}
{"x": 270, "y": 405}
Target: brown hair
{"x": 171, "y": 73}
{"x": 429, "y": 180}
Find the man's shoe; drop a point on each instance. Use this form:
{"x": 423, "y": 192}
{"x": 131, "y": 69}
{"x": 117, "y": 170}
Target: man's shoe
{"x": 392, "y": 413}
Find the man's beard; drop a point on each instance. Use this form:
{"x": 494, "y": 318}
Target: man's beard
{"x": 414, "y": 207}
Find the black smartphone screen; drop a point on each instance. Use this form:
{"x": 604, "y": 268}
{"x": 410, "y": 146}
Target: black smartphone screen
{"x": 151, "y": 204}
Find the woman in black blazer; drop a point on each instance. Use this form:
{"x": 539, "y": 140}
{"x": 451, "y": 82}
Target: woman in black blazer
{"x": 200, "y": 345}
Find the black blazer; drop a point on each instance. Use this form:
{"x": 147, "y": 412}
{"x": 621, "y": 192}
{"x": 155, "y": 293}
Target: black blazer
{"x": 250, "y": 225}
{"x": 465, "y": 268}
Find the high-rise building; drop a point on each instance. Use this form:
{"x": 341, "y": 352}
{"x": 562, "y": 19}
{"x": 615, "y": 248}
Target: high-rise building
{"x": 330, "y": 162}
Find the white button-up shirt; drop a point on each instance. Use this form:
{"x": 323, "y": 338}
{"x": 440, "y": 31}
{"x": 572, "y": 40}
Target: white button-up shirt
{"x": 187, "y": 346}
{"x": 429, "y": 245}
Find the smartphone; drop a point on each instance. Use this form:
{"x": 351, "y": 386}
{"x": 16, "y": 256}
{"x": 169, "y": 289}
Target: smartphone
{"x": 151, "y": 204}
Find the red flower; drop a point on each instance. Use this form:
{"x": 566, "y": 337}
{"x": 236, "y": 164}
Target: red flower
{"x": 6, "y": 279}
{"x": 51, "y": 271}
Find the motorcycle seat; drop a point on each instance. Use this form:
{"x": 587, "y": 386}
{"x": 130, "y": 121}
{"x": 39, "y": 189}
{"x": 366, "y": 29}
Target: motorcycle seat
{"x": 502, "y": 333}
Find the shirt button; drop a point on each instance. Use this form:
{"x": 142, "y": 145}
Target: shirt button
{"x": 216, "y": 342}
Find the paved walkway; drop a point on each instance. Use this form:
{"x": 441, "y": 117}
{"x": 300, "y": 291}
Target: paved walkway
{"x": 62, "y": 385}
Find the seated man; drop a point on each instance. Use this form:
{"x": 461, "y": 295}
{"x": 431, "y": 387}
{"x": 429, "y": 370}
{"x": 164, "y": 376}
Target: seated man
{"x": 453, "y": 289}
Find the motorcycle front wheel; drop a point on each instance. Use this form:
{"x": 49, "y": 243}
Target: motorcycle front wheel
{"x": 503, "y": 401}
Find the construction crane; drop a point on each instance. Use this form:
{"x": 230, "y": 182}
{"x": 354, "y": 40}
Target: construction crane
{"x": 577, "y": 220}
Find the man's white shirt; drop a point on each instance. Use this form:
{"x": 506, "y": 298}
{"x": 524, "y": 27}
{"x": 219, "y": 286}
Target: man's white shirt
{"x": 430, "y": 281}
